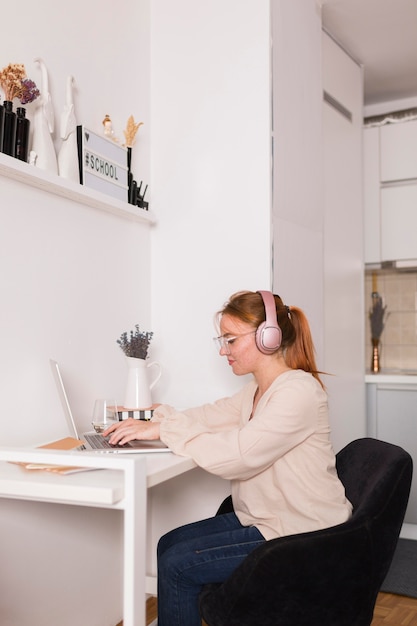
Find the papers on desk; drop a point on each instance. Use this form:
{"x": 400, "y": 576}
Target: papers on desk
{"x": 56, "y": 469}
{"x": 68, "y": 443}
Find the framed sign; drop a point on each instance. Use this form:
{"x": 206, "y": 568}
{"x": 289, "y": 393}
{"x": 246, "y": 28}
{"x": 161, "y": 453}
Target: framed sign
{"x": 102, "y": 164}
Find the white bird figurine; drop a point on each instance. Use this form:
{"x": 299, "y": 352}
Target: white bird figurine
{"x": 43, "y": 126}
{"x": 68, "y": 153}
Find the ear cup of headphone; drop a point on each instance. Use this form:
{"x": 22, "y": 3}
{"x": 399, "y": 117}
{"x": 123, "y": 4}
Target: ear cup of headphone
{"x": 268, "y": 336}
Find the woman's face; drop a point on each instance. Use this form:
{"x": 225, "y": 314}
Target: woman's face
{"x": 238, "y": 345}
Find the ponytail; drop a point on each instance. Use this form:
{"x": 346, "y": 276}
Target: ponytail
{"x": 300, "y": 353}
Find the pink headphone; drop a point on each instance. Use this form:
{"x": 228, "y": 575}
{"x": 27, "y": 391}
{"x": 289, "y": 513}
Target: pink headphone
{"x": 268, "y": 335}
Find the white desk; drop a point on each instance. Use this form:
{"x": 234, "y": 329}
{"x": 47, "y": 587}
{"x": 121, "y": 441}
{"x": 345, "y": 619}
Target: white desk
{"x": 121, "y": 484}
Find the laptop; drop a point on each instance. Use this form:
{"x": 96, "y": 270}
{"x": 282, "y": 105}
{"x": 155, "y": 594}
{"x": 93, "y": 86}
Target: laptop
{"x": 95, "y": 442}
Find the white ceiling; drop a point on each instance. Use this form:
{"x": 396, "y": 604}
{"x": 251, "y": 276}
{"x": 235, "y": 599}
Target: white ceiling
{"x": 382, "y": 36}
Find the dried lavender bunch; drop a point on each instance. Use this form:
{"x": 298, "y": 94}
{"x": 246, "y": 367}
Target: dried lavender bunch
{"x": 136, "y": 344}
{"x": 29, "y": 91}
{"x": 376, "y": 316}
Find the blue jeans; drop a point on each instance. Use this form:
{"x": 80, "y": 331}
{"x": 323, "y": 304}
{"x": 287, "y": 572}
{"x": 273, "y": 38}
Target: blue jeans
{"x": 194, "y": 555}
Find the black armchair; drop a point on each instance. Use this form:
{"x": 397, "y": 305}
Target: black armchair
{"x": 329, "y": 577}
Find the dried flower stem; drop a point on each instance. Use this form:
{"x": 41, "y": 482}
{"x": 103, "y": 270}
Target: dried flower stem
{"x": 131, "y": 130}
{"x": 376, "y": 316}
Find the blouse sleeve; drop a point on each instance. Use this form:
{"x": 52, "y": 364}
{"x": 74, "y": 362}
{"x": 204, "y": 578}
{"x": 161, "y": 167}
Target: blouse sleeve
{"x": 286, "y": 415}
{"x": 223, "y": 414}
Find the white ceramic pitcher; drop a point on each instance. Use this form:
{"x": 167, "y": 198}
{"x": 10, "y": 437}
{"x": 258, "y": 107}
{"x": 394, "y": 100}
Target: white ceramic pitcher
{"x": 138, "y": 387}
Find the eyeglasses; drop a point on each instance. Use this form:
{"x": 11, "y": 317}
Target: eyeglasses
{"x": 224, "y": 342}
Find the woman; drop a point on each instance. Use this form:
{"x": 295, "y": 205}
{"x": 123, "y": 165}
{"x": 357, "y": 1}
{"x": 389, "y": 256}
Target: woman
{"x": 271, "y": 440}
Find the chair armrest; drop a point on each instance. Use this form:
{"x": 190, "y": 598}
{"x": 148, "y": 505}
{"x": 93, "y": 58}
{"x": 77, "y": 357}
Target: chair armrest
{"x": 226, "y": 506}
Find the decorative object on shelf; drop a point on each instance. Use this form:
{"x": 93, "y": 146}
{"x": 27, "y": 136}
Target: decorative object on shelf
{"x": 22, "y": 135}
{"x": 135, "y": 346}
{"x": 15, "y": 84}
{"x": 1, "y": 126}
{"x": 102, "y": 164}
{"x": 11, "y": 78}
{"x": 68, "y": 153}
{"x": 9, "y": 129}
{"x": 140, "y": 200}
{"x": 376, "y": 317}
{"x": 29, "y": 91}
{"x": 375, "y": 365}
{"x": 108, "y": 129}
{"x": 134, "y": 197}
{"x": 130, "y": 131}
{"x": 43, "y": 126}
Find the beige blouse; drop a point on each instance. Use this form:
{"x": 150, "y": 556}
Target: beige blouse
{"x": 280, "y": 463}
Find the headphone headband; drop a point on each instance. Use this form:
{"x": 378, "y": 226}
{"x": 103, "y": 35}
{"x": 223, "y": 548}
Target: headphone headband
{"x": 268, "y": 335}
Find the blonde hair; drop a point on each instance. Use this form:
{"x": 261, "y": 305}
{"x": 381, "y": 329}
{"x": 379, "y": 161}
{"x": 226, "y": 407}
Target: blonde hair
{"x": 297, "y": 343}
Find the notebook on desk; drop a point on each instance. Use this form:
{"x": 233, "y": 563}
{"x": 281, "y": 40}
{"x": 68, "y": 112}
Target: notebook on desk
{"x": 95, "y": 442}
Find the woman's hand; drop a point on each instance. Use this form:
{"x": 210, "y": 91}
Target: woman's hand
{"x": 127, "y": 430}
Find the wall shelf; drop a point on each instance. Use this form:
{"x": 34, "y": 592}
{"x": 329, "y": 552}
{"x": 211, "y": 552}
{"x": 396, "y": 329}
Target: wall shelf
{"x": 50, "y": 182}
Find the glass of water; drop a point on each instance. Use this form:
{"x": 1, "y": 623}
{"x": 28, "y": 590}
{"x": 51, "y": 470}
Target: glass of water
{"x": 105, "y": 413}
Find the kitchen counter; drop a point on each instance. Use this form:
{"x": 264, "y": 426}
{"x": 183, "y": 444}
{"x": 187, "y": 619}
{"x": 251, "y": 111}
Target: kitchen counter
{"x": 392, "y": 376}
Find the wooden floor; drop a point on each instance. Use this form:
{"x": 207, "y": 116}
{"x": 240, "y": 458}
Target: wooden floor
{"x": 390, "y": 610}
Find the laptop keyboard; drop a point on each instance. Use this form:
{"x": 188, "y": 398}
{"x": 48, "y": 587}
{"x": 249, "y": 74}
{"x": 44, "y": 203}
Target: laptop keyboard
{"x": 97, "y": 441}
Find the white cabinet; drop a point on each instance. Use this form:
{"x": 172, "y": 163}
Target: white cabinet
{"x": 398, "y": 151}
{"x": 399, "y": 222}
{"x": 390, "y": 192}
{"x": 392, "y": 417}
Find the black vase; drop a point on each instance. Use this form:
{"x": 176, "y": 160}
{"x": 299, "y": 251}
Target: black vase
{"x": 22, "y": 135}
{"x": 129, "y": 159}
{"x": 9, "y": 128}
{"x": 1, "y": 126}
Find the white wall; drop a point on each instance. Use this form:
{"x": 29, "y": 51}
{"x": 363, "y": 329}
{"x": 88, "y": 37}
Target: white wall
{"x": 69, "y": 288}
{"x": 318, "y": 231}
{"x": 298, "y": 172}
{"x": 210, "y": 160}
{"x": 383, "y": 108}
{"x": 343, "y": 246}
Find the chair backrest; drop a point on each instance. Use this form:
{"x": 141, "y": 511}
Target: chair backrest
{"x": 377, "y": 479}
